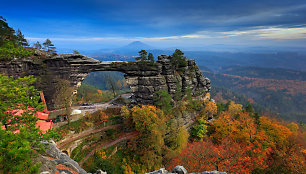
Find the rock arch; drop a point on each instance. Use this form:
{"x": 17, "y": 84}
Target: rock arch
{"x": 144, "y": 78}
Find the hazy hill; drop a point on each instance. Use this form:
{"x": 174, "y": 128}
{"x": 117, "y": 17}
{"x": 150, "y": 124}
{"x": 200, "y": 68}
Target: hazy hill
{"x": 284, "y": 97}
{"x": 133, "y": 48}
{"x": 136, "y": 45}
{"x": 216, "y": 61}
{"x": 219, "y": 60}
{"x": 266, "y": 73}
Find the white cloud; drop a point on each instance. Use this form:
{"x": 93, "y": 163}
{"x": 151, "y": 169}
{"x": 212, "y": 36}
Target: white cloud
{"x": 253, "y": 36}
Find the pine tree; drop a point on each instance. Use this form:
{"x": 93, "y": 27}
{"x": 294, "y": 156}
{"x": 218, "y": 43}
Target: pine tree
{"x": 162, "y": 99}
{"x": 48, "y": 46}
{"x": 21, "y": 41}
{"x": 37, "y": 45}
{"x": 142, "y": 55}
{"x": 6, "y": 32}
{"x": 178, "y": 60}
{"x": 151, "y": 57}
{"x": 249, "y": 108}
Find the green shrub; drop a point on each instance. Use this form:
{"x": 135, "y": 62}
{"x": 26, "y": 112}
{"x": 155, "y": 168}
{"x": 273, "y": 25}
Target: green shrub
{"x": 9, "y": 51}
{"x": 111, "y": 133}
{"x": 199, "y": 131}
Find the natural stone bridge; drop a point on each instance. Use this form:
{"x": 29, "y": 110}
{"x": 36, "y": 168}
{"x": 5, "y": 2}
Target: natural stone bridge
{"x": 144, "y": 78}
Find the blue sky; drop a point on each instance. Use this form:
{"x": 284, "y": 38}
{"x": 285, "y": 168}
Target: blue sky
{"x": 95, "y": 24}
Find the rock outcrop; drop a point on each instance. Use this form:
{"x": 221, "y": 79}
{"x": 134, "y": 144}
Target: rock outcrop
{"x": 54, "y": 161}
{"x": 144, "y": 78}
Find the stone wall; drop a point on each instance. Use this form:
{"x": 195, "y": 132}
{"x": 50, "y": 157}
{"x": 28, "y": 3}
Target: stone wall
{"x": 144, "y": 78}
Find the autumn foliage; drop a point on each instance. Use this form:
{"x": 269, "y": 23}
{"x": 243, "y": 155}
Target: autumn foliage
{"x": 243, "y": 142}
{"x": 228, "y": 156}
{"x": 149, "y": 121}
{"x": 211, "y": 108}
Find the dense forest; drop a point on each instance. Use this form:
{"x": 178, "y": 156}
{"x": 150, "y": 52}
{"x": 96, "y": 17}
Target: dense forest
{"x": 104, "y": 79}
{"x": 238, "y": 140}
{"x": 265, "y": 73}
{"x": 286, "y": 98}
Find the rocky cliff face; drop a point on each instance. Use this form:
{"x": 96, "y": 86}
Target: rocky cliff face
{"x": 144, "y": 78}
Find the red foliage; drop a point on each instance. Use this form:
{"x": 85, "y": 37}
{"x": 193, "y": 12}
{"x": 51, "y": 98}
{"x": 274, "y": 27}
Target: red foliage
{"x": 229, "y": 156}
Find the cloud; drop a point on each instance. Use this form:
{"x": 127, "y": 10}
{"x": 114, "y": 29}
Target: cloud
{"x": 173, "y": 21}
{"x": 253, "y": 34}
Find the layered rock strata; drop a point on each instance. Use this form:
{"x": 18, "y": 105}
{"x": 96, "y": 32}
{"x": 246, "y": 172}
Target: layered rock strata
{"x": 144, "y": 78}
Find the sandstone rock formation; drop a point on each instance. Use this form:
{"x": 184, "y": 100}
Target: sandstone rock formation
{"x": 144, "y": 78}
{"x": 55, "y": 161}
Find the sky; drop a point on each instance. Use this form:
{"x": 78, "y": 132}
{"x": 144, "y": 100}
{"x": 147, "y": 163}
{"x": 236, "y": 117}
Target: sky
{"x": 99, "y": 24}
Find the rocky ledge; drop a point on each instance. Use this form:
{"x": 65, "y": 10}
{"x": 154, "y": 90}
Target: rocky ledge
{"x": 55, "y": 161}
{"x": 144, "y": 78}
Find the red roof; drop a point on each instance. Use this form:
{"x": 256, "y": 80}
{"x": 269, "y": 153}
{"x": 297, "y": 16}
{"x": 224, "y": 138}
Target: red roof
{"x": 42, "y": 115}
{"x": 41, "y": 123}
{"x": 44, "y": 126}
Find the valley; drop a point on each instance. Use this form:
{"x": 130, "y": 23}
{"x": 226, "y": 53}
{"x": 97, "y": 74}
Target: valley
{"x": 231, "y": 101}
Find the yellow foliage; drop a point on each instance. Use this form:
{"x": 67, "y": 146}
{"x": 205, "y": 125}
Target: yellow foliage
{"x": 182, "y": 138}
{"x": 128, "y": 170}
{"x": 277, "y": 133}
{"x": 89, "y": 124}
{"x": 211, "y": 108}
{"x": 242, "y": 129}
{"x": 234, "y": 109}
{"x": 125, "y": 113}
{"x": 206, "y": 97}
{"x": 293, "y": 127}
{"x": 146, "y": 117}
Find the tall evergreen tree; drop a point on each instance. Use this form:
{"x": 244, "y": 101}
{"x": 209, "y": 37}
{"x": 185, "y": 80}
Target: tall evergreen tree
{"x": 151, "y": 57}
{"x": 37, "y": 45}
{"x": 21, "y": 41}
{"x": 178, "y": 60}
{"x": 142, "y": 55}
{"x": 48, "y": 46}
{"x": 6, "y": 32}
{"x": 162, "y": 99}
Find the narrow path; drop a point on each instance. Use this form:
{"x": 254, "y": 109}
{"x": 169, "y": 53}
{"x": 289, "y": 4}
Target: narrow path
{"x": 72, "y": 138}
{"x": 109, "y": 144}
{"x": 101, "y": 106}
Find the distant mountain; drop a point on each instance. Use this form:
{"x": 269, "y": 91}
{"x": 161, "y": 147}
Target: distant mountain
{"x": 137, "y": 45}
{"x": 133, "y": 48}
